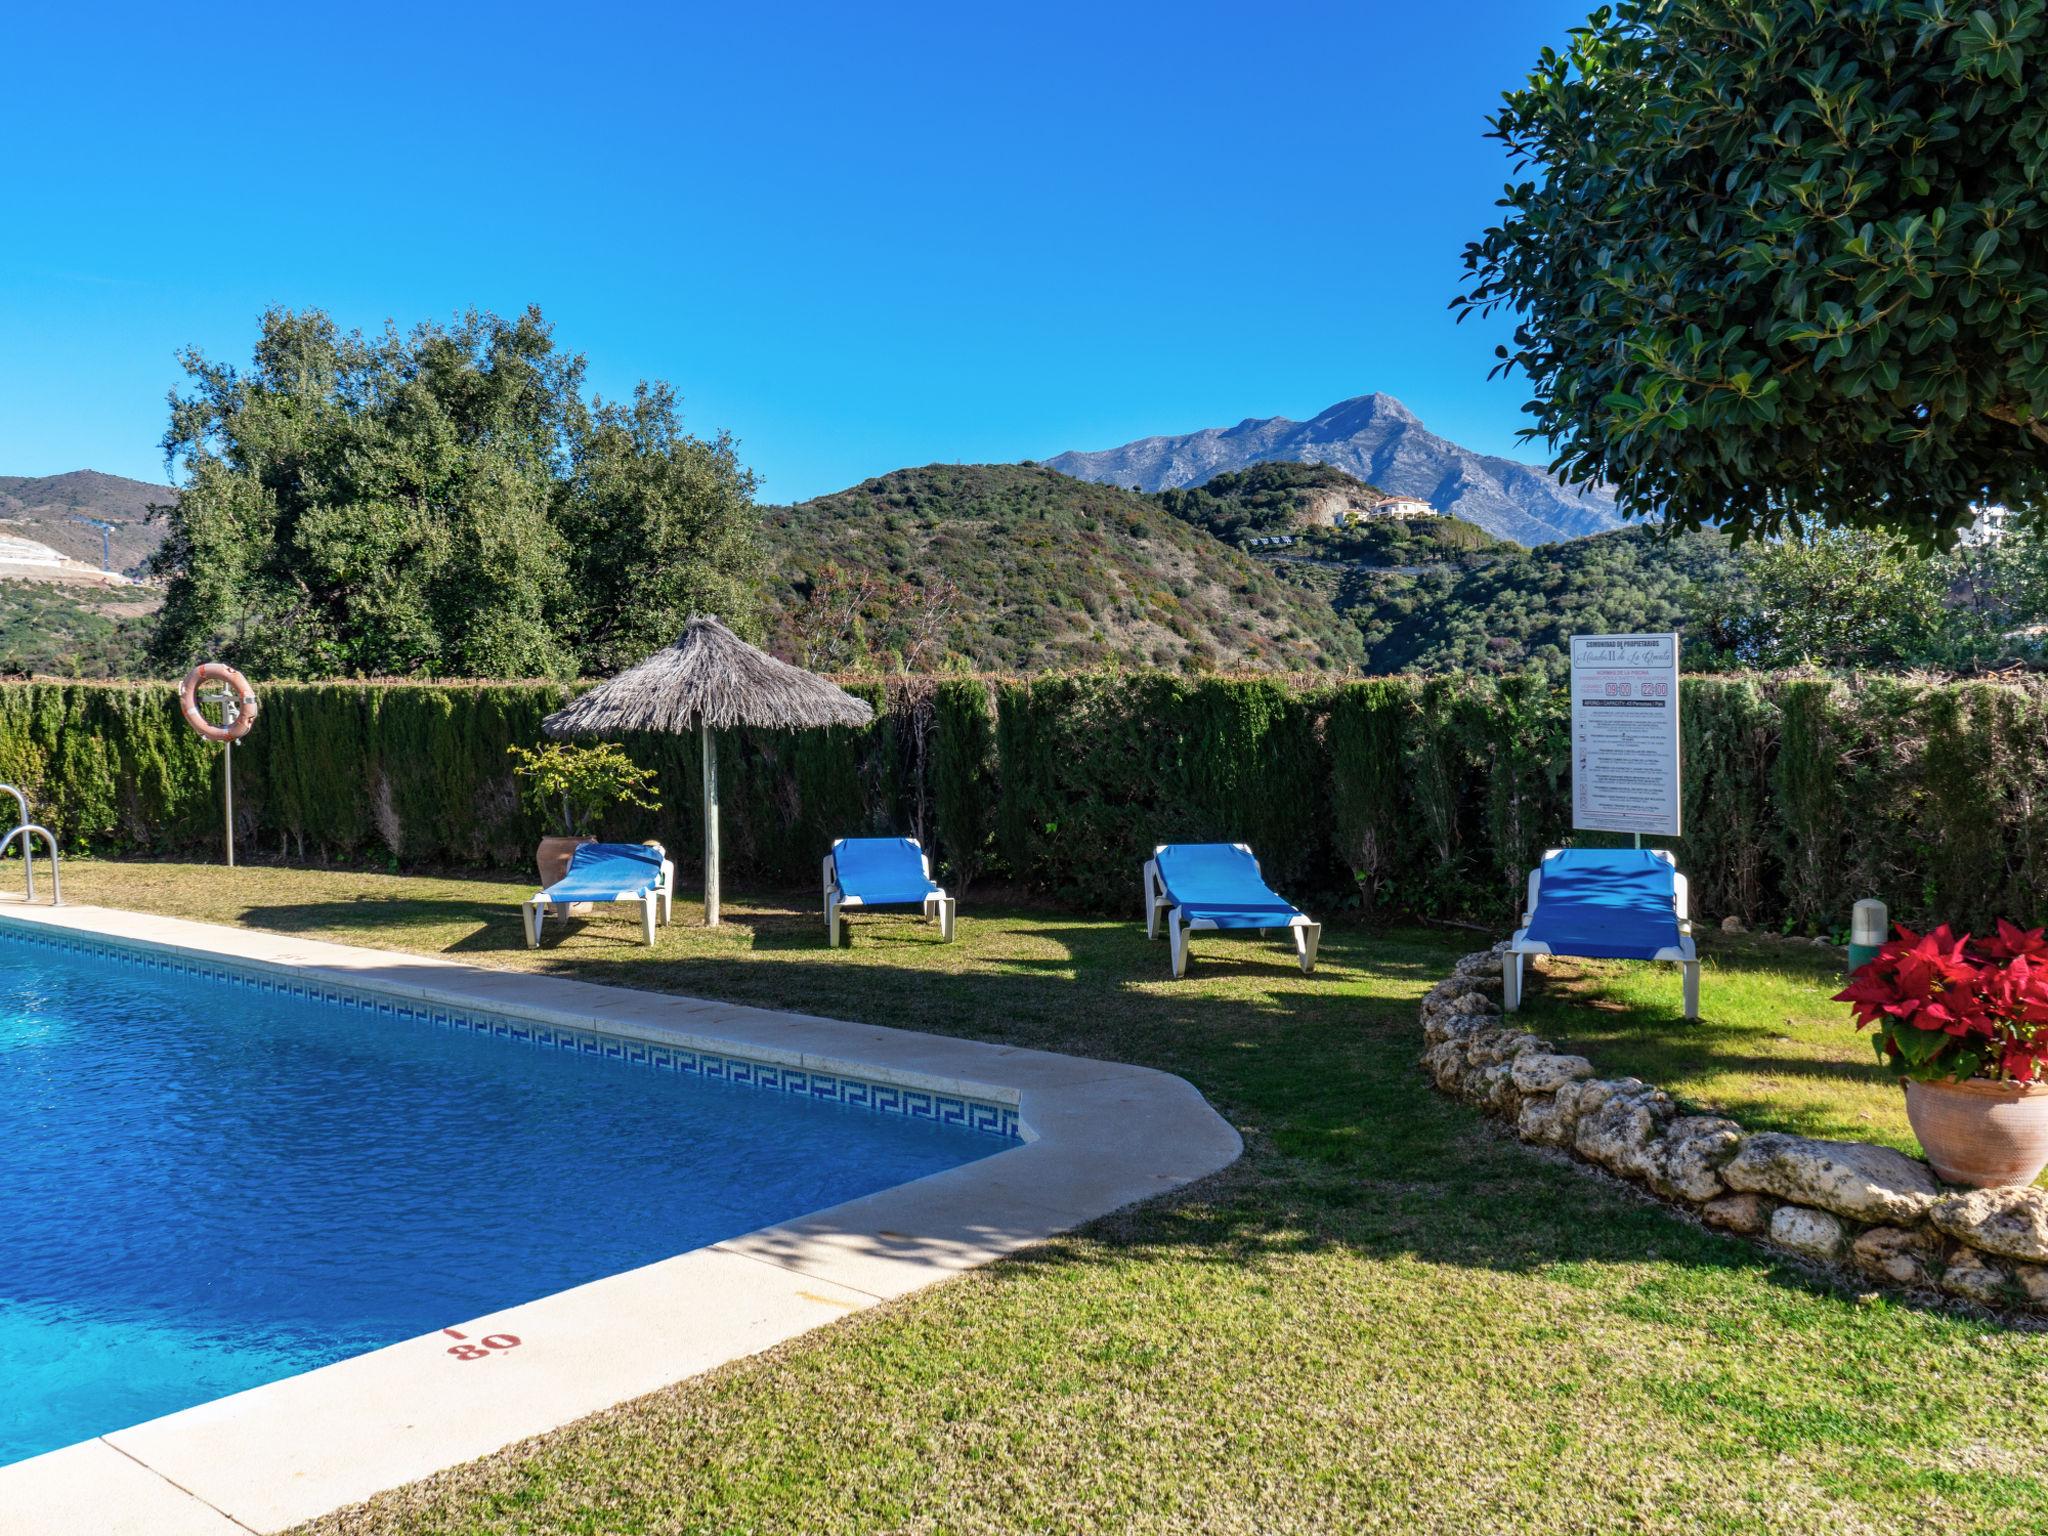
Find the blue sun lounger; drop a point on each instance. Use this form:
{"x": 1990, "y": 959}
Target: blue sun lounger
{"x": 608, "y": 872}
{"x": 1205, "y": 886}
{"x": 1605, "y": 904}
{"x": 882, "y": 872}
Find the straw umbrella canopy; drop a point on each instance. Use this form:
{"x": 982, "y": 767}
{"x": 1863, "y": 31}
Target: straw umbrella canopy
{"x": 710, "y": 680}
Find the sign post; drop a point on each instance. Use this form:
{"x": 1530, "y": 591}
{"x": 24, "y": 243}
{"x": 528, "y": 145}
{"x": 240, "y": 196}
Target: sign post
{"x": 230, "y": 712}
{"x": 1625, "y": 734}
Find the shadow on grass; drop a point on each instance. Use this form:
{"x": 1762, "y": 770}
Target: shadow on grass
{"x": 1347, "y": 1145}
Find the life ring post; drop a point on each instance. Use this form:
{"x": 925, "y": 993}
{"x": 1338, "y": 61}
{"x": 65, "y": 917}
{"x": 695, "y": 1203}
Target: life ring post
{"x": 237, "y": 701}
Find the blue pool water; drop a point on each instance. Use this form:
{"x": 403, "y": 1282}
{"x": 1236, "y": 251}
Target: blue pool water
{"x": 204, "y": 1187}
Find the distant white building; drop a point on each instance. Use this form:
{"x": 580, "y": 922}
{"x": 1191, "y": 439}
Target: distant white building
{"x": 1990, "y": 526}
{"x": 1404, "y": 506}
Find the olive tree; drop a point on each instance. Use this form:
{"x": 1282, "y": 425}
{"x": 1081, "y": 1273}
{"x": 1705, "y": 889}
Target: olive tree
{"x": 1782, "y": 263}
{"x": 442, "y": 503}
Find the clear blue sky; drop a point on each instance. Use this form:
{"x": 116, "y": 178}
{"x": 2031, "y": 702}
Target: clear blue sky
{"x": 857, "y": 236}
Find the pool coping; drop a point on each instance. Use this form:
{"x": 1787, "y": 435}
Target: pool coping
{"x": 1096, "y": 1136}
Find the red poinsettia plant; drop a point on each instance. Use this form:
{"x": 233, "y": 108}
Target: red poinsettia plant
{"x": 1947, "y": 1005}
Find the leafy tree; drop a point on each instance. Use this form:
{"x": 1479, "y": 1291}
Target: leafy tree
{"x": 437, "y": 503}
{"x": 370, "y": 505}
{"x": 1834, "y": 598}
{"x": 1785, "y": 261}
{"x": 659, "y": 525}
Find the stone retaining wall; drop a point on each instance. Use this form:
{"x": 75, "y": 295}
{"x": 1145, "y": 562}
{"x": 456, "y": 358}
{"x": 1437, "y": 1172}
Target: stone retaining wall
{"x": 1863, "y": 1208}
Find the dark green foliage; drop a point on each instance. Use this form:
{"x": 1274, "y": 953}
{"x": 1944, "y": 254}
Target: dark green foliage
{"x": 659, "y": 525}
{"x": 442, "y": 503}
{"x": 1785, "y": 260}
{"x": 1430, "y": 795}
{"x": 1363, "y": 733}
{"x": 963, "y": 777}
{"x": 1398, "y": 541}
{"x": 1730, "y": 732}
{"x": 333, "y": 771}
{"x": 1503, "y": 612}
{"x": 1097, "y": 770}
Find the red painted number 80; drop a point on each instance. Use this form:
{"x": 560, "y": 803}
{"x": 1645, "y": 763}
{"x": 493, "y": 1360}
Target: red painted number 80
{"x": 489, "y": 1345}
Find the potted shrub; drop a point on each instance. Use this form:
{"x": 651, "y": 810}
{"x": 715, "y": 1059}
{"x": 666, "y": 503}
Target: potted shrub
{"x": 1964, "y": 1022}
{"x": 577, "y": 782}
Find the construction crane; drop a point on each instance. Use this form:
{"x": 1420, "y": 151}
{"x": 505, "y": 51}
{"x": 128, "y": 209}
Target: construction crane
{"x": 106, "y": 540}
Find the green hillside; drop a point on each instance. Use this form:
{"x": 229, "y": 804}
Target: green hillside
{"x": 71, "y": 631}
{"x": 1392, "y": 541}
{"x": 1014, "y": 567}
{"x": 1510, "y": 607}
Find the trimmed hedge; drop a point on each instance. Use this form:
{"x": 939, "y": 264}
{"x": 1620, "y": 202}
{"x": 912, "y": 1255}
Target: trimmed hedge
{"x": 1427, "y": 796}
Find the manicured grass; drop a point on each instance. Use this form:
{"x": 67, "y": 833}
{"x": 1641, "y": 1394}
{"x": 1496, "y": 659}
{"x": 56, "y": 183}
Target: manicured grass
{"x": 1769, "y": 1049}
{"x": 1383, "y": 1318}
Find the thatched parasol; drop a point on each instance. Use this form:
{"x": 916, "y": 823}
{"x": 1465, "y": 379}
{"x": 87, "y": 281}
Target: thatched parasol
{"x": 709, "y": 680}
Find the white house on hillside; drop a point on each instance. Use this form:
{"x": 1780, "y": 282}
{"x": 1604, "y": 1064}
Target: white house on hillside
{"x": 1404, "y": 506}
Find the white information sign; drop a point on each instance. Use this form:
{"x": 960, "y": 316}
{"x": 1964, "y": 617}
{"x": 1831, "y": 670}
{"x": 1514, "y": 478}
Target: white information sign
{"x": 1625, "y": 733}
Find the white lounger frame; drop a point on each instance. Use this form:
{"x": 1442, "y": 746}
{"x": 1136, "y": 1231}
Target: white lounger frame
{"x": 938, "y": 903}
{"x": 1685, "y": 954}
{"x": 660, "y": 896}
{"x": 1308, "y": 936}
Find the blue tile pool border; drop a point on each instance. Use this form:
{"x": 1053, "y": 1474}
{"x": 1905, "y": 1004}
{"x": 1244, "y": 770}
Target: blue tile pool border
{"x": 987, "y": 1116}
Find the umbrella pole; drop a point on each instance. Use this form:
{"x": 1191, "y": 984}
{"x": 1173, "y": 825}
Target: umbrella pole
{"x": 710, "y": 827}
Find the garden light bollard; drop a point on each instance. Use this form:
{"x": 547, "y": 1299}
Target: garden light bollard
{"x": 1867, "y": 929}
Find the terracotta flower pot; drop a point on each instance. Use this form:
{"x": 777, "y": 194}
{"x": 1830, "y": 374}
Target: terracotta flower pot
{"x": 1980, "y": 1132}
{"x": 552, "y": 859}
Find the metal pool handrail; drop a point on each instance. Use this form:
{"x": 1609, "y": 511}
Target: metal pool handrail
{"x": 26, "y": 832}
{"x": 28, "y": 847}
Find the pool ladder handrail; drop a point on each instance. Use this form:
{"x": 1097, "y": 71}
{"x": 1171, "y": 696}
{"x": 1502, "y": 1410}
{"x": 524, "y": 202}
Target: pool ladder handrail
{"x": 26, "y": 830}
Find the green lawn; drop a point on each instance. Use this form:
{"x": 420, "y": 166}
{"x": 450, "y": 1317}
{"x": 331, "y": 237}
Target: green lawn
{"x": 1385, "y": 1317}
{"x": 1770, "y": 1049}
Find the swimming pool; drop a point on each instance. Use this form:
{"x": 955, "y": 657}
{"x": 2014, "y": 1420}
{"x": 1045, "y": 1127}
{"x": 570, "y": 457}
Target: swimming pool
{"x": 210, "y": 1180}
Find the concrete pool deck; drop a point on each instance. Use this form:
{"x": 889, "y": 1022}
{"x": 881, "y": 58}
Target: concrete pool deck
{"x": 1097, "y": 1136}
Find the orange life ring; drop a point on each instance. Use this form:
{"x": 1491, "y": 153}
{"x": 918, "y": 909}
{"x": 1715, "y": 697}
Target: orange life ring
{"x": 245, "y": 701}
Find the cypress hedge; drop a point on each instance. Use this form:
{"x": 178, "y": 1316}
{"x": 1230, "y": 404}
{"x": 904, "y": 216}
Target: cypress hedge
{"x": 1422, "y": 796}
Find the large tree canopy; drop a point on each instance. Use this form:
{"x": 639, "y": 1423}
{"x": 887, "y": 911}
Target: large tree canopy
{"x": 1785, "y": 262}
{"x": 439, "y": 503}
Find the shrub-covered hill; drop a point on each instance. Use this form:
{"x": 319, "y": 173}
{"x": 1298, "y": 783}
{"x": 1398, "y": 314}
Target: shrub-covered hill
{"x": 1393, "y": 541}
{"x": 1017, "y": 568}
{"x": 1271, "y": 498}
{"x": 72, "y": 631}
{"x": 1505, "y": 609}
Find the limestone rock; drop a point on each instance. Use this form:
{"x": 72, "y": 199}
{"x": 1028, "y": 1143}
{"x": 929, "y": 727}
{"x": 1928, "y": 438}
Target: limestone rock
{"x": 1970, "y": 1274}
{"x": 1492, "y": 1047}
{"x": 1849, "y": 1178}
{"x": 1620, "y": 1132}
{"x": 1749, "y": 1215}
{"x": 1546, "y": 1072}
{"x": 1694, "y": 1151}
{"x": 1494, "y": 1087}
{"x": 1456, "y": 1026}
{"x": 1896, "y": 1254}
{"x": 1549, "y": 1119}
{"x": 2033, "y": 1283}
{"x": 1484, "y": 963}
{"x": 1809, "y": 1233}
{"x": 1445, "y": 1064}
{"x": 1597, "y": 1091}
{"x": 2012, "y": 1221}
